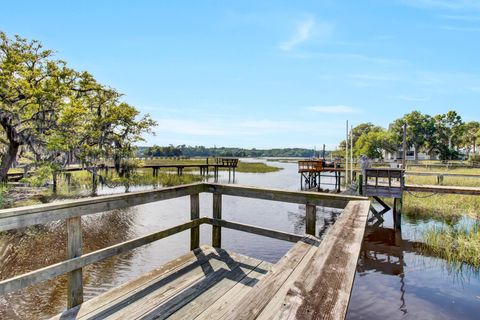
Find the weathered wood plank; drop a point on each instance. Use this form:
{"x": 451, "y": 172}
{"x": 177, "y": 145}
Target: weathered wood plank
{"x": 125, "y": 293}
{"x": 221, "y": 306}
{"x": 189, "y": 305}
{"x": 163, "y": 290}
{"x": 167, "y": 299}
{"x": 245, "y": 277}
{"x": 323, "y": 288}
{"x": 26, "y": 216}
{"x": 310, "y": 219}
{"x": 300, "y": 197}
{"x": 443, "y": 189}
{"x": 217, "y": 214}
{"x": 254, "y": 302}
{"x": 280, "y": 235}
{"x": 49, "y": 272}
{"x": 272, "y": 307}
{"x": 194, "y": 214}
{"x": 74, "y": 250}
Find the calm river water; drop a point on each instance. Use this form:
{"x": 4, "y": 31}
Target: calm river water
{"x": 394, "y": 279}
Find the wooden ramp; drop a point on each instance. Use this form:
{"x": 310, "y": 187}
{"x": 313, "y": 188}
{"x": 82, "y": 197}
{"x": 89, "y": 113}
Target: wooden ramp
{"x": 203, "y": 280}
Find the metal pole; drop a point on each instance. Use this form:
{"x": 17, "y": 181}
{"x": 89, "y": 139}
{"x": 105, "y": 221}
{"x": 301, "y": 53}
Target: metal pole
{"x": 346, "y": 156}
{"x": 351, "y": 154}
{"x": 404, "y": 160}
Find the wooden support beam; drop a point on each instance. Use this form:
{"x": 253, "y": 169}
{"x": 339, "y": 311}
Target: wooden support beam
{"x": 310, "y": 219}
{"x": 194, "y": 214}
{"x": 275, "y": 234}
{"x": 397, "y": 213}
{"x": 74, "y": 250}
{"x": 385, "y": 206}
{"x": 315, "y": 198}
{"x": 217, "y": 214}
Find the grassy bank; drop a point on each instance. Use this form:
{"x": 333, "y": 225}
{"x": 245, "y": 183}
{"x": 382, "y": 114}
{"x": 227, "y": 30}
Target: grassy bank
{"x": 256, "y": 167}
{"x": 447, "y": 181}
{"x": 455, "y": 244}
{"x": 444, "y": 205}
{"x": 140, "y": 178}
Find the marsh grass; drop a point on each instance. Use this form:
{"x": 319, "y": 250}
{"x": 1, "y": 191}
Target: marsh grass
{"x": 456, "y": 244}
{"x": 139, "y": 178}
{"x": 447, "y": 181}
{"x": 445, "y": 170}
{"x": 256, "y": 167}
{"x": 441, "y": 205}
{"x": 3, "y": 192}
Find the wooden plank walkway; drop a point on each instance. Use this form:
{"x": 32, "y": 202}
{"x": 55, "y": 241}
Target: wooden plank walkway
{"x": 312, "y": 280}
{"x": 181, "y": 289}
{"x": 472, "y": 191}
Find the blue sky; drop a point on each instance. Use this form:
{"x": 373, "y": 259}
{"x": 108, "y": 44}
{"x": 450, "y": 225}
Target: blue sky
{"x": 267, "y": 73}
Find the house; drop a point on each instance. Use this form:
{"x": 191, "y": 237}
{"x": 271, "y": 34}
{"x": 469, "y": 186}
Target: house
{"x": 392, "y": 156}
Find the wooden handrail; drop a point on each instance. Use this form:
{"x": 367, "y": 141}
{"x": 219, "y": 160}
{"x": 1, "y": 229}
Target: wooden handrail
{"x": 301, "y": 197}
{"x": 57, "y": 269}
{"x": 74, "y": 209}
{"x": 15, "y": 218}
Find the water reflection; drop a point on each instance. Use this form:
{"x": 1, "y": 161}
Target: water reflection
{"x": 398, "y": 276}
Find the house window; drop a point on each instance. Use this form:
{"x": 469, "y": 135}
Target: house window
{"x": 410, "y": 153}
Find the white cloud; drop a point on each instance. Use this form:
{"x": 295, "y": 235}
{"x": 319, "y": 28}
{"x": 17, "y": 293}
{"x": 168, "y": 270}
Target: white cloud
{"x": 337, "y": 109}
{"x": 304, "y": 31}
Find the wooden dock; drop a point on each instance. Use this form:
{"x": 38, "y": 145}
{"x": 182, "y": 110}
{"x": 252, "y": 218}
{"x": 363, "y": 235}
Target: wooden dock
{"x": 204, "y": 169}
{"x": 313, "y": 280}
{"x": 312, "y": 171}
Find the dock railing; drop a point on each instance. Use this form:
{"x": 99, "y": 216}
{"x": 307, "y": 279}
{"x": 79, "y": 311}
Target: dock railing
{"x": 310, "y": 165}
{"x": 72, "y": 211}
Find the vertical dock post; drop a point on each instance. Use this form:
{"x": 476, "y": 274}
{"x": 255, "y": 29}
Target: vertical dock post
{"x": 194, "y": 214}
{"x": 54, "y": 178}
{"x": 360, "y": 184}
{"x": 74, "y": 249}
{"x": 217, "y": 214}
{"x": 310, "y": 219}
{"x": 397, "y": 213}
